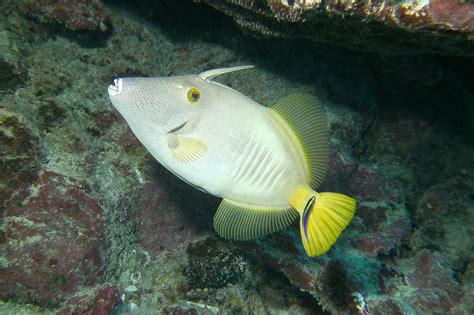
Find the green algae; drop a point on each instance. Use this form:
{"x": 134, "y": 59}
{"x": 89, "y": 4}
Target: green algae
{"x": 29, "y": 240}
{"x": 24, "y": 222}
{"x": 4, "y": 263}
{"x": 9, "y": 308}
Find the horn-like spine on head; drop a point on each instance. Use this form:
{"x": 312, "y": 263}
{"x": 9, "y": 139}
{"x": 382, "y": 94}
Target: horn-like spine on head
{"x": 210, "y": 74}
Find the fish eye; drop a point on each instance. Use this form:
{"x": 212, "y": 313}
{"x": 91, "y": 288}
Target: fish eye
{"x": 193, "y": 95}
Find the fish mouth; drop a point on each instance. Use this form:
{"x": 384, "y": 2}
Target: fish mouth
{"x": 116, "y": 87}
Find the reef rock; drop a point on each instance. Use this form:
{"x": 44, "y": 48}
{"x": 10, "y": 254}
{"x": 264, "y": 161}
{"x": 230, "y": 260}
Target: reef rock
{"x": 430, "y": 275}
{"x": 18, "y": 155}
{"x": 76, "y": 15}
{"x": 52, "y": 231}
{"x": 102, "y": 303}
{"x": 386, "y": 27}
{"x": 163, "y": 225}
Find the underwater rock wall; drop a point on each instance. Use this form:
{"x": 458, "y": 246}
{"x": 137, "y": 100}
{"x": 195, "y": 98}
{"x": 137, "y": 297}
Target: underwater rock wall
{"x": 52, "y": 231}
{"x": 77, "y": 15}
{"x": 90, "y": 223}
{"x": 386, "y": 27}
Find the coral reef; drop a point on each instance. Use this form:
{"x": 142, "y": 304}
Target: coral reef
{"x": 76, "y": 15}
{"x": 386, "y": 27}
{"x": 90, "y": 223}
{"x": 19, "y": 155}
{"x": 175, "y": 228}
{"x": 212, "y": 267}
{"x": 52, "y": 233}
{"x": 101, "y": 301}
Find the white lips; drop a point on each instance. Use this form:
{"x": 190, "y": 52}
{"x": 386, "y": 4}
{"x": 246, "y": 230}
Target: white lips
{"x": 115, "y": 88}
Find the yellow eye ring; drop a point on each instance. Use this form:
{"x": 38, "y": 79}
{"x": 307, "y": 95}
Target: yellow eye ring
{"x": 193, "y": 95}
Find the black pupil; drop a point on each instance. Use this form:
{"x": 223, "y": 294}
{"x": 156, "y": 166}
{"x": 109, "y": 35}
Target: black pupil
{"x": 194, "y": 95}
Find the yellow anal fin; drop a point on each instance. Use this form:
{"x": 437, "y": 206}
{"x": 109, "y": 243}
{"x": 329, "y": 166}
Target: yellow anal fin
{"x": 186, "y": 149}
{"x": 238, "y": 221}
{"x": 305, "y": 120}
{"x": 331, "y": 213}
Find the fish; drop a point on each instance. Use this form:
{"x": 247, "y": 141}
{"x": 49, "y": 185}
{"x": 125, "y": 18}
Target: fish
{"x": 265, "y": 162}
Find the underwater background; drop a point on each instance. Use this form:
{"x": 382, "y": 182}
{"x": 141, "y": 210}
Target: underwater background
{"x": 92, "y": 224}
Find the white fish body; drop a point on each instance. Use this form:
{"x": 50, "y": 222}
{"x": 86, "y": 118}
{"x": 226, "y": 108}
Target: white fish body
{"x": 222, "y": 142}
{"x": 247, "y": 158}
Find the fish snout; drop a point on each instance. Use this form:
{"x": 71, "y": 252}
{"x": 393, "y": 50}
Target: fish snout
{"x": 116, "y": 87}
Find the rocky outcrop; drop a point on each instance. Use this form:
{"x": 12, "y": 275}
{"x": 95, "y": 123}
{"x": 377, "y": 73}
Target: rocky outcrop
{"x": 18, "y": 155}
{"x": 53, "y": 230}
{"x": 386, "y": 27}
{"x": 76, "y": 15}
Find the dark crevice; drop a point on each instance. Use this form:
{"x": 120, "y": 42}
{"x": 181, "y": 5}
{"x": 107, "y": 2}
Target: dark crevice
{"x": 359, "y": 143}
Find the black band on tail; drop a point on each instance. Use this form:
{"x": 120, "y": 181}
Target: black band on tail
{"x": 306, "y": 212}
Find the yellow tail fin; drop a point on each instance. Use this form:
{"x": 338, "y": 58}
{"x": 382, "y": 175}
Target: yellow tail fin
{"x": 323, "y": 216}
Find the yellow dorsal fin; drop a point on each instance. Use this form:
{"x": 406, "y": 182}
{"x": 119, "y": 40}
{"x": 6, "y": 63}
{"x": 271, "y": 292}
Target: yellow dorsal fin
{"x": 238, "y": 221}
{"x": 307, "y": 120}
{"x": 186, "y": 149}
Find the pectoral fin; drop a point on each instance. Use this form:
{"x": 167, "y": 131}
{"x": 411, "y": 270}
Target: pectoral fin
{"x": 186, "y": 149}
